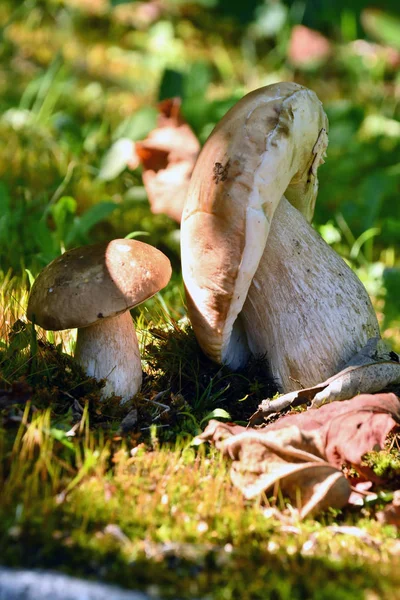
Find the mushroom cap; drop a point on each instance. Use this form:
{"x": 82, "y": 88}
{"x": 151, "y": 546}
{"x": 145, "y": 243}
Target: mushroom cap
{"x": 268, "y": 145}
{"x": 95, "y": 282}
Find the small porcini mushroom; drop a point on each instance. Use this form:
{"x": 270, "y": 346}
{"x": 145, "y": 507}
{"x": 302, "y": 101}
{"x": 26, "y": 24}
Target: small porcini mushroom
{"x": 258, "y": 278}
{"x": 92, "y": 288}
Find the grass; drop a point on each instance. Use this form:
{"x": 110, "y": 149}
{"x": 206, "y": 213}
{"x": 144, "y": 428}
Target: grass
{"x": 139, "y": 506}
{"x": 132, "y": 502}
{"x": 167, "y": 517}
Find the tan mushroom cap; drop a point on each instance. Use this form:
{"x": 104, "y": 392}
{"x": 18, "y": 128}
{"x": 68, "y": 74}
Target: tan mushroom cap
{"x": 91, "y": 283}
{"x": 268, "y": 145}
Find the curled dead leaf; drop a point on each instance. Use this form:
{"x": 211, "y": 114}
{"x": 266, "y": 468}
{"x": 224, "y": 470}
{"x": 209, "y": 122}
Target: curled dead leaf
{"x": 304, "y": 452}
{"x": 370, "y": 370}
{"x": 288, "y": 457}
{"x": 168, "y": 156}
{"x": 348, "y": 429}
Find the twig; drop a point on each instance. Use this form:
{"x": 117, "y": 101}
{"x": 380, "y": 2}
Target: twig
{"x": 156, "y": 402}
{"x": 269, "y": 407}
{"x": 146, "y": 428}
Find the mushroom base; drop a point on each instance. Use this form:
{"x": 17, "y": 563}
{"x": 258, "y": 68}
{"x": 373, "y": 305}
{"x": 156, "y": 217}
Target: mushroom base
{"x": 109, "y": 350}
{"x": 306, "y": 310}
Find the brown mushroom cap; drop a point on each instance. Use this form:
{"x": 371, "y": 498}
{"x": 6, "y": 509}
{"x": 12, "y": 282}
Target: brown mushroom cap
{"x": 91, "y": 283}
{"x": 269, "y": 144}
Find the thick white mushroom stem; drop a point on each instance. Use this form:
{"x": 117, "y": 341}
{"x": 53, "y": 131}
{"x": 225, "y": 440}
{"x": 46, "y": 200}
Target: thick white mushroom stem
{"x": 305, "y": 310}
{"x": 109, "y": 350}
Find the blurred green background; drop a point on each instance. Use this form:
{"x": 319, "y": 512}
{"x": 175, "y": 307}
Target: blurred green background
{"x": 77, "y": 76}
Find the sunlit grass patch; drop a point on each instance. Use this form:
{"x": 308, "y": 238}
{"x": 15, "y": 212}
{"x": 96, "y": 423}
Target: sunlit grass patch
{"x": 13, "y": 301}
{"x": 133, "y": 508}
{"x": 145, "y": 515}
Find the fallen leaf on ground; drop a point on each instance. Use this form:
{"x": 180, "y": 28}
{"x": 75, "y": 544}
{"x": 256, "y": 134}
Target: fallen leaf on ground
{"x": 370, "y": 370}
{"x": 304, "y": 452}
{"x": 168, "y": 156}
{"x": 348, "y": 429}
{"x": 351, "y": 530}
{"x": 290, "y": 457}
{"x": 390, "y": 515}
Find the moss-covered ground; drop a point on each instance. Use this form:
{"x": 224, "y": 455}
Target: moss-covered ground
{"x": 133, "y": 502}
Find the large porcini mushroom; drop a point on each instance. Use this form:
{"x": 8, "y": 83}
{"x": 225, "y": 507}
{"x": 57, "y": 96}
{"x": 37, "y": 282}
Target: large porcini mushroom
{"x": 258, "y": 278}
{"x": 93, "y": 288}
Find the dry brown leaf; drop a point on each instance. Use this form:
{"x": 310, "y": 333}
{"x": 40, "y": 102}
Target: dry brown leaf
{"x": 289, "y": 457}
{"x": 371, "y": 370}
{"x": 307, "y": 46}
{"x": 168, "y": 156}
{"x": 304, "y": 452}
{"x": 348, "y": 429}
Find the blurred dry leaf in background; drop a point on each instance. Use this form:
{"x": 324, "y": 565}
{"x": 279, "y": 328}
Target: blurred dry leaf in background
{"x": 139, "y": 14}
{"x": 304, "y": 452}
{"x": 373, "y": 53}
{"x": 307, "y": 47}
{"x": 168, "y": 156}
{"x": 92, "y": 7}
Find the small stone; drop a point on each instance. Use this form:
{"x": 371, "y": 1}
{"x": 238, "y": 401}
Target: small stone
{"x": 128, "y": 423}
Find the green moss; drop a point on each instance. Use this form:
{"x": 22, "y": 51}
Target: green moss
{"x": 171, "y": 519}
{"x": 132, "y": 509}
{"x": 385, "y": 463}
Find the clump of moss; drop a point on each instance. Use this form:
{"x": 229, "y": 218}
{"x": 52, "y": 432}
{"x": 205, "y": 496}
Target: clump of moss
{"x": 385, "y": 464}
{"x": 181, "y": 386}
{"x": 177, "y": 363}
{"x": 171, "y": 518}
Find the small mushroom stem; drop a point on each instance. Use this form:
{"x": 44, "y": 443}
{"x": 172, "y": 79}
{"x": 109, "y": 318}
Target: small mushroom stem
{"x": 109, "y": 350}
{"x": 306, "y": 310}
